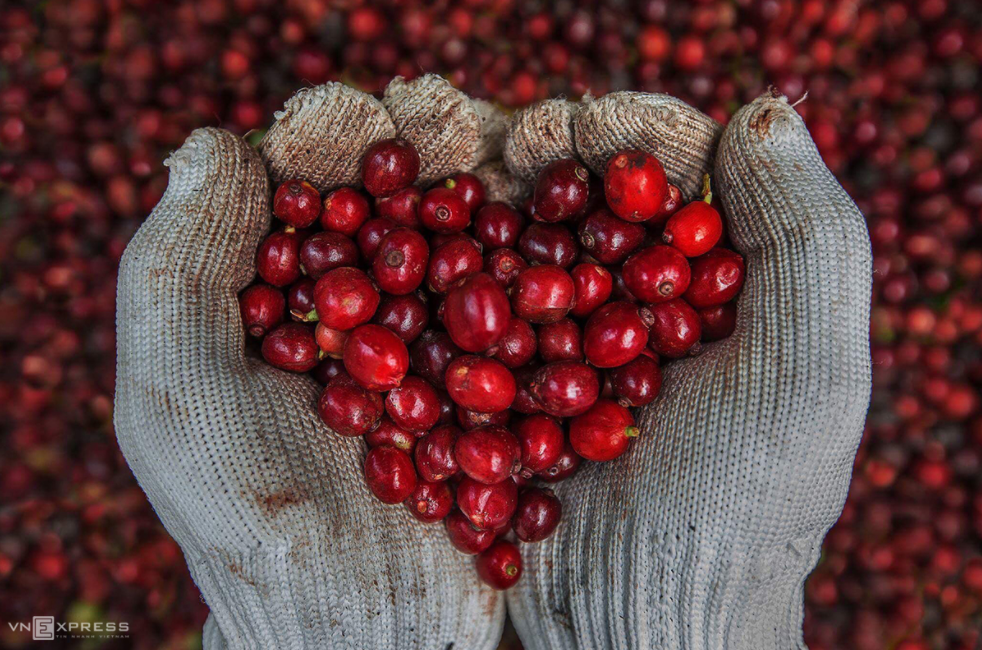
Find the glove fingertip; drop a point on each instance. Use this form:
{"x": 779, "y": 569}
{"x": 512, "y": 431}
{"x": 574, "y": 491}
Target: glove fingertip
{"x": 538, "y": 135}
{"x": 501, "y": 185}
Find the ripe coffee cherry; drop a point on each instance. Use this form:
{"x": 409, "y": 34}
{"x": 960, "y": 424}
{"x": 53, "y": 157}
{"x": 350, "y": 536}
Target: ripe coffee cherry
{"x": 569, "y": 461}
{"x": 541, "y": 440}
{"x": 637, "y": 382}
{"x": 402, "y": 208}
{"x": 388, "y": 433}
{"x": 453, "y": 262}
{"x": 300, "y": 299}
{"x": 375, "y": 357}
{"x": 565, "y": 388}
{"x": 657, "y": 274}
{"x": 389, "y": 474}
{"x": 262, "y": 308}
{"x": 298, "y": 203}
{"x": 524, "y": 402}
{"x": 327, "y": 370}
{"x": 324, "y": 251}
{"x": 348, "y": 409}
{"x": 675, "y": 328}
{"x": 614, "y": 335}
{"x": 607, "y": 239}
{"x": 472, "y": 419}
{"x": 560, "y": 341}
{"x": 414, "y": 405}
{"x": 604, "y": 432}
{"x": 673, "y": 201}
{"x": 543, "y": 294}
{"x": 430, "y": 356}
{"x": 500, "y": 566}
{"x": 345, "y": 298}
{"x": 442, "y": 210}
{"x": 537, "y": 515}
{"x": 488, "y": 454}
{"x": 717, "y": 322}
{"x": 430, "y": 502}
{"x": 400, "y": 261}
{"x": 480, "y": 384}
{"x": 498, "y": 225}
{"x": 407, "y": 316}
{"x": 694, "y": 229}
{"x": 544, "y": 243}
{"x": 489, "y": 507}
{"x": 389, "y": 166}
{"x": 330, "y": 341}
{"x": 476, "y": 313}
{"x": 504, "y": 265}
{"x": 278, "y": 258}
{"x": 465, "y": 537}
{"x": 435, "y": 458}
{"x": 370, "y": 236}
{"x": 717, "y": 277}
{"x": 345, "y": 210}
{"x": 635, "y": 185}
{"x": 517, "y": 346}
{"x": 291, "y": 346}
{"x": 468, "y": 187}
{"x": 593, "y": 285}
{"x": 561, "y": 191}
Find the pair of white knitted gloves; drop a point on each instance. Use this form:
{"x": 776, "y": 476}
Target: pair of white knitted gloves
{"x": 700, "y": 537}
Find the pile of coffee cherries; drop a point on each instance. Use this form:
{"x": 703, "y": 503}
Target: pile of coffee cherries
{"x": 483, "y": 350}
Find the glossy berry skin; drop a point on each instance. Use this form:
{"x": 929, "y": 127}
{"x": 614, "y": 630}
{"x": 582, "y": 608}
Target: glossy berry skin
{"x": 465, "y": 537}
{"x": 604, "y": 432}
{"x": 430, "y": 502}
{"x": 717, "y": 322}
{"x": 389, "y": 474}
{"x": 657, "y": 274}
{"x": 300, "y": 299}
{"x": 544, "y": 243}
{"x": 468, "y": 187}
{"x": 297, "y": 203}
{"x": 635, "y": 185}
{"x": 488, "y": 507}
{"x": 565, "y": 388}
{"x": 407, "y": 316}
{"x": 375, "y": 357}
{"x": 413, "y": 405}
{"x": 348, "y": 409}
{"x": 291, "y": 346}
{"x": 472, "y": 419}
{"x": 717, "y": 277}
{"x": 637, "y": 382}
{"x": 500, "y": 566}
{"x": 675, "y": 328}
{"x": 614, "y": 335}
{"x": 325, "y": 251}
{"x": 389, "y": 166}
{"x": 560, "y": 341}
{"x": 327, "y": 370}
{"x": 453, "y": 262}
{"x": 345, "y": 298}
{"x": 278, "y": 258}
{"x": 537, "y": 514}
{"x": 561, "y": 191}
{"x": 400, "y": 262}
{"x": 569, "y": 461}
{"x": 476, "y": 313}
{"x": 671, "y": 205}
{"x": 262, "y": 308}
{"x": 524, "y": 402}
{"x": 370, "y": 236}
{"x": 488, "y": 454}
{"x": 517, "y": 347}
{"x": 443, "y": 211}
{"x": 543, "y": 294}
{"x": 480, "y": 384}
{"x": 430, "y": 356}
{"x": 694, "y": 229}
{"x": 330, "y": 341}
{"x": 402, "y": 208}
{"x": 608, "y": 239}
{"x": 434, "y": 454}
{"x": 541, "y": 439}
{"x": 593, "y": 285}
{"x": 504, "y": 265}
{"x": 345, "y": 210}
{"x": 498, "y": 225}
{"x": 388, "y": 433}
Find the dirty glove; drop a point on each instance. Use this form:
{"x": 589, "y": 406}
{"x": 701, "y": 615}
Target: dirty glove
{"x": 702, "y": 535}
{"x": 280, "y": 532}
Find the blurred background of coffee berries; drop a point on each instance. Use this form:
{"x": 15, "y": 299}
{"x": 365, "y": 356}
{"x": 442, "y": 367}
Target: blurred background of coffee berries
{"x": 95, "y": 93}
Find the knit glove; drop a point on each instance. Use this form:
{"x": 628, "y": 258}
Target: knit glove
{"x": 702, "y": 535}
{"x": 288, "y": 547}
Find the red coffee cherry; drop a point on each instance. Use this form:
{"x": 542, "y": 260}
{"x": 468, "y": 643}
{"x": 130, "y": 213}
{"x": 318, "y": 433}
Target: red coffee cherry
{"x": 657, "y": 274}
{"x": 549, "y": 243}
{"x": 614, "y": 335}
{"x": 345, "y": 210}
{"x": 541, "y": 439}
{"x": 671, "y": 205}
{"x": 480, "y": 384}
{"x": 389, "y": 433}
{"x": 694, "y": 229}
{"x": 349, "y": 409}
{"x": 443, "y": 211}
{"x": 472, "y": 419}
{"x": 543, "y": 294}
{"x": 517, "y": 347}
{"x": 498, "y": 225}
{"x": 675, "y": 328}
{"x": 593, "y": 285}
{"x": 717, "y": 322}
{"x": 345, "y": 298}
{"x": 389, "y": 474}
{"x": 488, "y": 454}
{"x": 434, "y": 454}
{"x": 607, "y": 239}
{"x": 431, "y": 354}
{"x": 430, "y": 502}
{"x": 400, "y": 261}
{"x": 717, "y": 277}
{"x": 476, "y": 313}
{"x": 561, "y": 191}
{"x": 389, "y": 166}
{"x": 489, "y": 507}
{"x": 291, "y": 346}
{"x": 524, "y": 402}
{"x": 569, "y": 461}
{"x": 370, "y": 236}
{"x": 297, "y": 203}
{"x": 402, "y": 208}
{"x": 262, "y": 307}
{"x": 330, "y": 341}
{"x": 413, "y": 405}
{"x": 375, "y": 357}
{"x": 603, "y": 432}
{"x": 453, "y": 262}
{"x": 635, "y": 185}
{"x": 565, "y": 388}
{"x": 637, "y": 382}
{"x": 560, "y": 341}
{"x": 325, "y": 251}
{"x": 468, "y": 187}
{"x": 504, "y": 265}
{"x": 500, "y": 566}
{"x": 278, "y": 258}
{"x": 407, "y": 316}
{"x": 300, "y": 299}
{"x": 465, "y": 537}
{"x": 537, "y": 514}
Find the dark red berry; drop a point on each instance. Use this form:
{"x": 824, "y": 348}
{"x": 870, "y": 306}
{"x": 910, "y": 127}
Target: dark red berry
{"x": 435, "y": 458}
{"x": 543, "y": 294}
{"x": 488, "y": 454}
{"x": 347, "y": 408}
{"x": 489, "y": 507}
{"x": 388, "y": 433}
{"x": 675, "y": 328}
{"x": 402, "y": 208}
{"x": 300, "y": 299}
{"x": 465, "y": 537}
{"x": 544, "y": 243}
{"x": 327, "y": 370}
{"x": 468, "y": 187}
{"x": 614, "y": 335}
{"x": 717, "y": 277}
{"x": 569, "y": 461}
{"x": 637, "y": 382}
{"x": 431, "y": 354}
{"x": 442, "y": 210}
{"x": 389, "y": 474}
{"x": 453, "y": 262}
{"x": 524, "y": 402}
{"x": 537, "y": 514}
{"x": 480, "y": 384}
{"x": 560, "y": 341}
{"x": 447, "y": 407}
{"x": 504, "y": 265}
{"x": 375, "y": 357}
{"x": 604, "y": 432}
{"x": 330, "y": 341}
{"x": 593, "y": 285}
{"x": 671, "y": 205}
{"x": 472, "y": 419}
{"x": 565, "y": 388}
{"x": 500, "y": 566}
{"x": 414, "y": 405}
{"x": 324, "y": 251}
{"x": 345, "y": 210}
{"x": 498, "y": 225}
{"x": 400, "y": 261}
{"x": 406, "y": 315}
{"x": 476, "y": 313}
{"x": 607, "y": 239}
{"x": 370, "y": 236}
{"x": 291, "y": 346}
{"x": 541, "y": 439}
{"x": 717, "y": 322}
{"x": 345, "y": 298}
{"x": 620, "y": 290}
{"x": 657, "y": 274}
{"x": 262, "y": 307}
{"x": 635, "y": 185}
{"x": 517, "y": 347}
{"x": 561, "y": 191}
{"x": 430, "y": 502}
{"x": 694, "y": 229}
{"x": 278, "y": 258}
{"x": 389, "y": 166}
{"x": 297, "y": 203}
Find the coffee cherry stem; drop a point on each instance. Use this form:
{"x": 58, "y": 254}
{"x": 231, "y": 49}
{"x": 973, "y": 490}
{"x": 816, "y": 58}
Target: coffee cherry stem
{"x": 632, "y": 432}
{"x": 707, "y": 191}
{"x": 310, "y": 317}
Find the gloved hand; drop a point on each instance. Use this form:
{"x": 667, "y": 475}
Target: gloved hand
{"x": 702, "y": 535}
{"x": 280, "y": 533}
